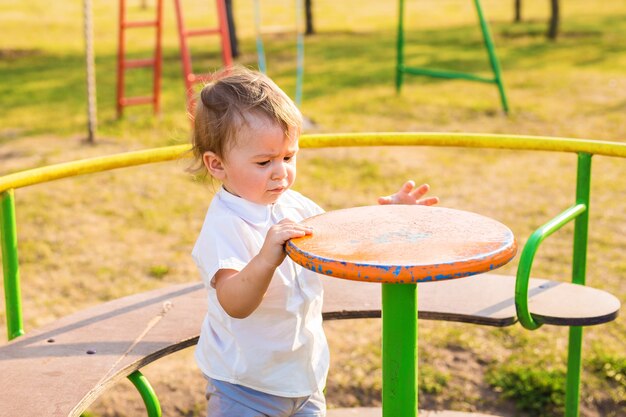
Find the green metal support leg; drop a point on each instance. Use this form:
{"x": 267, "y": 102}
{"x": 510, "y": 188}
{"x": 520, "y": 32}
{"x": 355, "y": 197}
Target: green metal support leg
{"x": 493, "y": 58}
{"x": 10, "y": 265}
{"x": 399, "y": 316}
{"x": 148, "y": 395}
{"x": 574, "y": 369}
{"x": 579, "y": 270}
{"x": 400, "y": 47}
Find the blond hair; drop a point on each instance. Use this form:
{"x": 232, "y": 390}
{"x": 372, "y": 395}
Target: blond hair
{"x": 224, "y": 105}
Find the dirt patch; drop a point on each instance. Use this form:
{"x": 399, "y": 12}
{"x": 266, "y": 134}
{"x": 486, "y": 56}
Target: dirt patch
{"x": 14, "y": 54}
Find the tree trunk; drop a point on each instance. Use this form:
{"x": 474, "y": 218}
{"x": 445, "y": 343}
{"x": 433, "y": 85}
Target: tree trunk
{"x": 553, "y": 29}
{"x": 518, "y": 11}
{"x": 308, "y": 10}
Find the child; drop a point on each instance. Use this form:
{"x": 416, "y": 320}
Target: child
{"x": 262, "y": 346}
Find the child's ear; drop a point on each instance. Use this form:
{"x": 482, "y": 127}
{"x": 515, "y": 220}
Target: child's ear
{"x": 214, "y": 165}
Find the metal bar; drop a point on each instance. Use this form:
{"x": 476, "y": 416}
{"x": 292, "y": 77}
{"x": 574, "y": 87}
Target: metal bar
{"x": 140, "y": 24}
{"x": 574, "y": 369}
{"x": 124, "y": 64}
{"x": 91, "y": 165}
{"x": 185, "y": 56}
{"x": 583, "y": 190}
{"x": 579, "y": 267}
{"x": 400, "y": 47}
{"x": 526, "y": 260}
{"x": 200, "y": 78}
{"x": 399, "y": 317}
{"x": 222, "y": 23}
{"x": 489, "y": 46}
{"x": 158, "y": 57}
{"x": 10, "y": 266}
{"x": 446, "y": 74}
{"x": 201, "y": 32}
{"x": 466, "y": 140}
{"x": 120, "y": 57}
{"x": 133, "y": 101}
{"x": 493, "y": 58}
{"x": 139, "y": 63}
{"x": 148, "y": 395}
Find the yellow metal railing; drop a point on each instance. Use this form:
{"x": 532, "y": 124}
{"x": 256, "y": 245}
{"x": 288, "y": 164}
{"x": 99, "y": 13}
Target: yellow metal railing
{"x": 463, "y": 140}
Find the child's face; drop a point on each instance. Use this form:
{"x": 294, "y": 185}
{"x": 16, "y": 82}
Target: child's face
{"x": 262, "y": 164}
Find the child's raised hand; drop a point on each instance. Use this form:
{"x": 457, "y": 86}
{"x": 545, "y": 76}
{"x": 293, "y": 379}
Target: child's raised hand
{"x": 409, "y": 194}
{"x": 273, "y": 249}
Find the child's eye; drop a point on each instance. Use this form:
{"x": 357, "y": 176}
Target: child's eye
{"x": 288, "y": 158}
{"x": 263, "y": 163}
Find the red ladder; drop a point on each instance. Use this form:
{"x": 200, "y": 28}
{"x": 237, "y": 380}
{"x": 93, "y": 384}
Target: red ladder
{"x": 222, "y": 30}
{"x": 124, "y": 64}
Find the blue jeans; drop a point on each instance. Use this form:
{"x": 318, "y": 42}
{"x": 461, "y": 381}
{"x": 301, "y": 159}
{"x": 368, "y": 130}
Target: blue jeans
{"x": 230, "y": 400}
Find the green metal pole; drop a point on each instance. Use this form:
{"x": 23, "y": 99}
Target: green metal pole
{"x": 493, "y": 58}
{"x": 583, "y": 187}
{"x": 400, "y": 46}
{"x": 399, "y": 317}
{"x": 10, "y": 265}
{"x": 579, "y": 267}
{"x": 574, "y": 369}
{"x": 450, "y": 75}
{"x": 148, "y": 395}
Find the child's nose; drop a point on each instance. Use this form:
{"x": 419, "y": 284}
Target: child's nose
{"x": 280, "y": 170}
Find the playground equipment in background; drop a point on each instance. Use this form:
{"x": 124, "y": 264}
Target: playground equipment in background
{"x": 189, "y": 77}
{"x": 402, "y": 68}
{"x": 123, "y": 64}
{"x": 159, "y": 331}
{"x": 221, "y": 30}
{"x": 262, "y": 62}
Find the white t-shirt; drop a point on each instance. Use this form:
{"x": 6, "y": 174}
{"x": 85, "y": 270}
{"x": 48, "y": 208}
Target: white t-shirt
{"x": 280, "y": 348}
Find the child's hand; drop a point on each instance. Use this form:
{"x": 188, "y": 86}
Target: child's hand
{"x": 273, "y": 250}
{"x": 240, "y": 292}
{"x": 408, "y": 194}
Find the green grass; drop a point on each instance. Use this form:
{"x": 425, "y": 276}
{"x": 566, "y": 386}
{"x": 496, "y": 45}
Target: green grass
{"x": 91, "y": 239}
{"x": 538, "y": 391}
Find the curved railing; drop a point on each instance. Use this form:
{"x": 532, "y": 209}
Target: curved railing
{"x": 463, "y": 140}
{"x": 579, "y": 213}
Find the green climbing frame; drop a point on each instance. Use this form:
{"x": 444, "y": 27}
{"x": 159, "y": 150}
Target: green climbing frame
{"x": 402, "y": 68}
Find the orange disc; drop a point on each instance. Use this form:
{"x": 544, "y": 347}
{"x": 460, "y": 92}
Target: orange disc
{"x": 402, "y": 244}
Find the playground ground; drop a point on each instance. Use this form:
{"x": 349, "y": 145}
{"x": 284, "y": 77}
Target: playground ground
{"x": 82, "y": 243}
